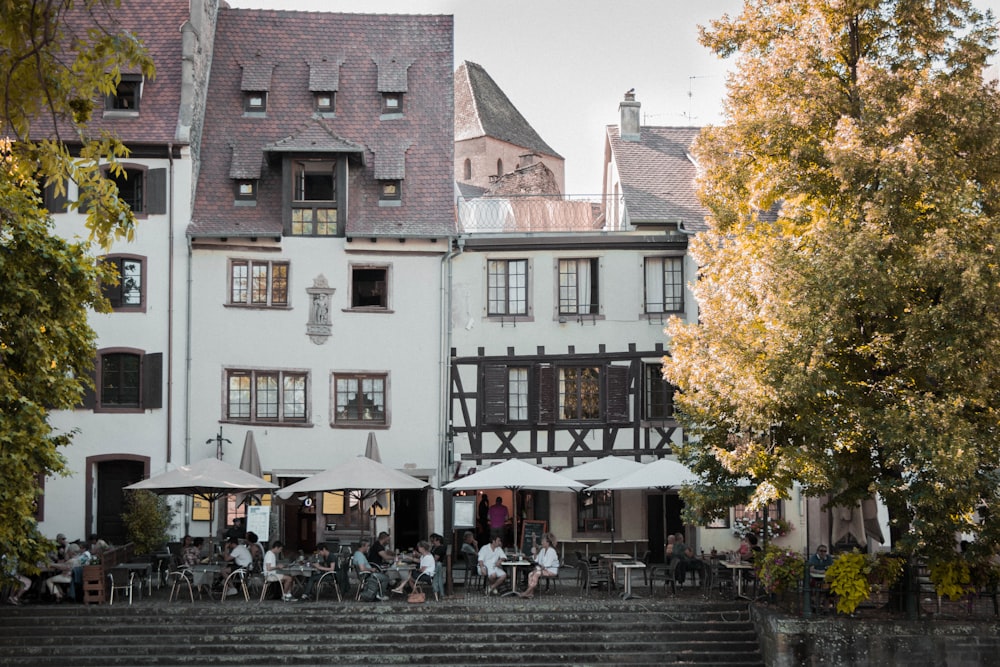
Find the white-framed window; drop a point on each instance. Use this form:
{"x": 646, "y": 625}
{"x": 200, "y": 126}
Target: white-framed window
{"x": 360, "y": 399}
{"x": 579, "y": 292}
{"x": 129, "y": 294}
{"x": 258, "y": 283}
{"x": 264, "y": 396}
{"x": 507, "y": 287}
{"x": 664, "y": 284}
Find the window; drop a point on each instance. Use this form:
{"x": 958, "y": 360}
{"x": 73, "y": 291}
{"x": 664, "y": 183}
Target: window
{"x": 260, "y": 396}
{"x": 314, "y": 198}
{"x": 369, "y": 287}
{"x": 126, "y": 380}
{"x": 325, "y": 101}
{"x": 360, "y": 399}
{"x": 130, "y": 188}
{"x": 579, "y": 393}
{"x": 467, "y": 169}
{"x": 507, "y": 287}
{"x": 593, "y": 512}
{"x": 392, "y": 103}
{"x": 129, "y": 292}
{"x": 499, "y": 167}
{"x": 126, "y": 95}
{"x": 517, "y": 394}
{"x": 246, "y": 190}
{"x": 664, "y": 278}
{"x": 578, "y": 293}
{"x": 390, "y": 190}
{"x": 258, "y": 283}
{"x": 255, "y": 101}
{"x": 658, "y": 395}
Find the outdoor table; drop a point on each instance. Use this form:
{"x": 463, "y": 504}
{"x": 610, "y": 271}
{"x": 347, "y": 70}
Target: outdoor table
{"x": 513, "y": 565}
{"x": 608, "y": 560}
{"x": 297, "y": 573}
{"x": 204, "y": 574}
{"x": 738, "y": 568}
{"x": 628, "y": 567}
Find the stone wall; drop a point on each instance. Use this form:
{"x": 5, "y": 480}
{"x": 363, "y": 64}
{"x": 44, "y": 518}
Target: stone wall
{"x": 848, "y": 642}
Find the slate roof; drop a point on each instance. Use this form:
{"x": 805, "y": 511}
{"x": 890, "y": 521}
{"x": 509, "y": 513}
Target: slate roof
{"x": 658, "y": 176}
{"x": 158, "y": 25}
{"x": 292, "y": 44}
{"x": 482, "y": 109}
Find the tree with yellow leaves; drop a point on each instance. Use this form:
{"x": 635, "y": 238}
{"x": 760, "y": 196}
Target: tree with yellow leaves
{"x": 52, "y": 70}
{"x": 849, "y": 334}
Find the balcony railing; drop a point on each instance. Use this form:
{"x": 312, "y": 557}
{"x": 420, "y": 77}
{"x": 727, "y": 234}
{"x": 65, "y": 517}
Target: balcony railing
{"x": 531, "y": 213}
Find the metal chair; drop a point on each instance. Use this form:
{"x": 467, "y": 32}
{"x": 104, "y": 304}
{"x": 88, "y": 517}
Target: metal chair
{"x": 666, "y": 572}
{"x": 121, "y": 580}
{"x": 176, "y": 579}
{"x": 237, "y": 580}
{"x": 473, "y": 577}
{"x": 328, "y": 578}
{"x": 362, "y": 578}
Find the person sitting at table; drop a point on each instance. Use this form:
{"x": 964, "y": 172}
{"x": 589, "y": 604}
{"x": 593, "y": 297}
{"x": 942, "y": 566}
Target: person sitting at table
{"x": 668, "y": 550}
{"x": 20, "y": 584}
{"x": 820, "y": 561}
{"x": 65, "y": 570}
{"x": 546, "y": 565}
{"x": 271, "y": 569}
{"x": 490, "y": 557}
{"x": 325, "y": 562}
{"x": 236, "y": 555}
{"x": 754, "y": 548}
{"x": 380, "y": 555}
{"x": 426, "y": 572}
{"x": 191, "y": 550}
{"x": 469, "y": 544}
{"x": 60, "y": 553}
{"x": 256, "y": 550}
{"x": 362, "y": 564}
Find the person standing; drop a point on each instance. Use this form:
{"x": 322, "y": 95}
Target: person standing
{"x": 484, "y": 519}
{"x": 498, "y": 516}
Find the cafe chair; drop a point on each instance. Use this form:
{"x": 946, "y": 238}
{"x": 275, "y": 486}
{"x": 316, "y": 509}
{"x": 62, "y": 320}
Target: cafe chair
{"x": 177, "y": 578}
{"x": 236, "y": 580}
{"x": 591, "y": 575}
{"x": 474, "y": 579}
{"x": 328, "y": 579}
{"x": 668, "y": 573}
{"x": 121, "y": 580}
{"x": 362, "y": 578}
{"x": 646, "y": 557}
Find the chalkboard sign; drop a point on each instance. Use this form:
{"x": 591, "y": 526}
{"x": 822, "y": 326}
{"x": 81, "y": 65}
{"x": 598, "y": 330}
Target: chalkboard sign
{"x": 531, "y": 535}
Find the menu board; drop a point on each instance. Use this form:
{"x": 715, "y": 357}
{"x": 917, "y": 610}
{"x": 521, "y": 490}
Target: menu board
{"x": 259, "y": 521}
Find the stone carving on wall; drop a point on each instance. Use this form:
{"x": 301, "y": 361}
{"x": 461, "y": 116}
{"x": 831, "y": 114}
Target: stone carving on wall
{"x": 320, "y": 328}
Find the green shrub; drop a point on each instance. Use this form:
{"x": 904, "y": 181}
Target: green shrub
{"x": 147, "y": 518}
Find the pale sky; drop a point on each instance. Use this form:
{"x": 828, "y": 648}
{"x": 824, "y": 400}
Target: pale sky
{"x": 565, "y": 64}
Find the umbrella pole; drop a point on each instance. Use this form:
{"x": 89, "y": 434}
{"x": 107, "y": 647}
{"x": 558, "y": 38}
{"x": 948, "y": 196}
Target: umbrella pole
{"x": 612, "y": 521}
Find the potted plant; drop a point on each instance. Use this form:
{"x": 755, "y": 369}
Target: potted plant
{"x": 779, "y": 570}
{"x": 147, "y": 518}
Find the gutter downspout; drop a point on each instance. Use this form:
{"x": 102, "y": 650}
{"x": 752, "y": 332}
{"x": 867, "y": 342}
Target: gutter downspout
{"x": 170, "y": 302}
{"x": 187, "y": 386}
{"x": 444, "y": 380}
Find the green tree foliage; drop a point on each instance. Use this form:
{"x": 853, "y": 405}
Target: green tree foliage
{"x": 849, "y": 336}
{"x": 147, "y": 518}
{"x": 57, "y": 60}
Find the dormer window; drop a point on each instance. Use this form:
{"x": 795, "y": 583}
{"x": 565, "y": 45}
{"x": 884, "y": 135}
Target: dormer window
{"x": 324, "y": 101}
{"x": 126, "y": 95}
{"x": 314, "y": 197}
{"x": 392, "y": 103}
{"x": 390, "y": 190}
{"x": 246, "y": 190}
{"x": 255, "y": 101}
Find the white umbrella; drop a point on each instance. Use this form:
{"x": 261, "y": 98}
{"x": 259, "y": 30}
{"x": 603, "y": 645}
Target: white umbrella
{"x": 660, "y": 474}
{"x": 600, "y": 470}
{"x": 210, "y": 479}
{"x": 249, "y": 462}
{"x": 515, "y": 475}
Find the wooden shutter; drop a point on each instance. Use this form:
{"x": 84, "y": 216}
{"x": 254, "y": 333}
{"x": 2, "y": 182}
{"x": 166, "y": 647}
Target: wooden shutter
{"x": 156, "y": 191}
{"x": 494, "y": 394}
{"x": 547, "y": 394}
{"x": 616, "y": 394}
{"x": 53, "y": 202}
{"x": 152, "y": 381}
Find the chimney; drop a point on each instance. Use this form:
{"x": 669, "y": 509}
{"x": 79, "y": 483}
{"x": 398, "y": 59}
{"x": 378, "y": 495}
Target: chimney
{"x": 629, "y": 109}
{"x": 528, "y": 159}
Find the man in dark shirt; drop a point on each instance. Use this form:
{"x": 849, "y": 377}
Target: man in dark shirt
{"x": 379, "y": 554}
{"x": 325, "y": 562}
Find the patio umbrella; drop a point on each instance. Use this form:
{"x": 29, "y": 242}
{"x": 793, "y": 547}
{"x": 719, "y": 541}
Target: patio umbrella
{"x": 600, "y": 470}
{"x": 515, "y": 475}
{"x": 210, "y": 479}
{"x": 249, "y": 462}
{"x": 660, "y": 474}
{"x": 360, "y": 476}
{"x": 382, "y": 497}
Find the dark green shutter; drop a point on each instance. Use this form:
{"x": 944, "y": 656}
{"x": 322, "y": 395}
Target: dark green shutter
{"x": 156, "y": 191}
{"x": 152, "y": 381}
{"x": 616, "y": 394}
{"x": 495, "y": 394}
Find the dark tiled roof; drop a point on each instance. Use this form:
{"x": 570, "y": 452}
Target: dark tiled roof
{"x": 392, "y": 74}
{"x": 256, "y": 75}
{"x": 158, "y": 25}
{"x": 324, "y": 74}
{"x": 294, "y": 42}
{"x": 658, "y": 176}
{"x": 483, "y": 109}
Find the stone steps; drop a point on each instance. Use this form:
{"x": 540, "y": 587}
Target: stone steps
{"x": 551, "y": 631}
